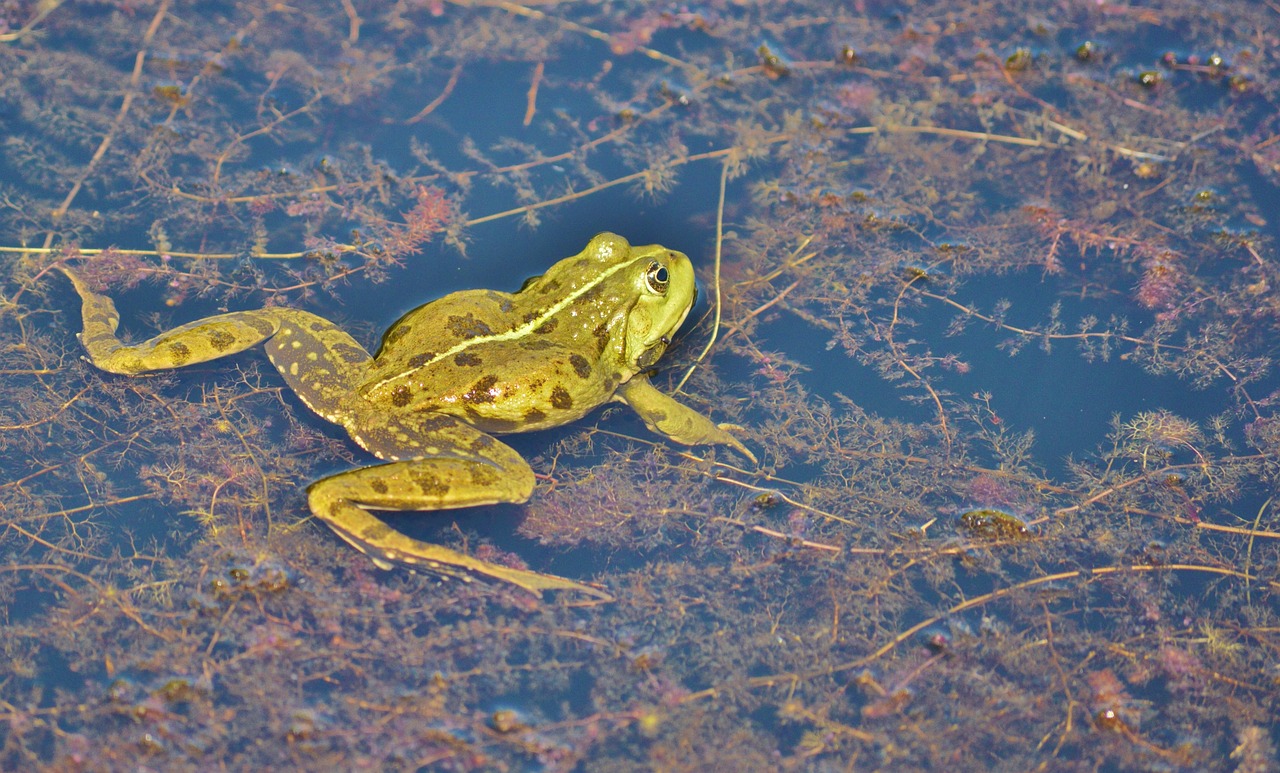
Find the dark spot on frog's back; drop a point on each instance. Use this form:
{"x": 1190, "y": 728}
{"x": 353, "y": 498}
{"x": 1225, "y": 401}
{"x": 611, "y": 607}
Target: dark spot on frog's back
{"x": 418, "y": 360}
{"x": 378, "y": 486}
{"x": 601, "y": 334}
{"x": 221, "y": 340}
{"x": 401, "y": 395}
{"x": 482, "y": 390}
{"x": 547, "y": 327}
{"x": 467, "y": 326}
{"x": 534, "y": 416}
{"x": 580, "y": 365}
{"x": 561, "y": 399}
{"x": 467, "y": 360}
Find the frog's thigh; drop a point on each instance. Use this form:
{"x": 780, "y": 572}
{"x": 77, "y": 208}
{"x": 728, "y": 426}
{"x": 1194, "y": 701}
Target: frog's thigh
{"x": 321, "y": 362}
{"x": 439, "y": 463}
{"x": 343, "y": 501}
{"x": 442, "y": 463}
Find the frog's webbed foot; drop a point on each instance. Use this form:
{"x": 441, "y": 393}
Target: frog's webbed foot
{"x": 437, "y": 463}
{"x": 676, "y": 421}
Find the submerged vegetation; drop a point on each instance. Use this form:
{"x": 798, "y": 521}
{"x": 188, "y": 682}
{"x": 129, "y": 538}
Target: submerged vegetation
{"x": 918, "y": 207}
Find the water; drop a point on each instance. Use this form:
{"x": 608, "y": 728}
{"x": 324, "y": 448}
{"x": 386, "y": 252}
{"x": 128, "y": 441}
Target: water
{"x": 961, "y": 545}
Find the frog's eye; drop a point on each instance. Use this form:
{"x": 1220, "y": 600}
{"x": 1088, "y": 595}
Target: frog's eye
{"x": 656, "y": 277}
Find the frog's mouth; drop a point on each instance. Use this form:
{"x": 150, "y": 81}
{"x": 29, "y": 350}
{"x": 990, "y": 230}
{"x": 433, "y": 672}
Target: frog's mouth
{"x": 665, "y": 339}
{"x": 652, "y": 350}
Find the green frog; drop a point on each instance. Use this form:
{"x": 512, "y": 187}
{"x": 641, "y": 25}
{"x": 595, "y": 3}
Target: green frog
{"x": 450, "y": 375}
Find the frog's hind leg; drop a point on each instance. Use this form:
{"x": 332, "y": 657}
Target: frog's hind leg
{"x": 321, "y": 362}
{"x": 438, "y": 463}
{"x": 195, "y": 342}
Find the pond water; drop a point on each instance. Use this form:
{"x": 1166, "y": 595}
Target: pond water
{"x": 990, "y": 292}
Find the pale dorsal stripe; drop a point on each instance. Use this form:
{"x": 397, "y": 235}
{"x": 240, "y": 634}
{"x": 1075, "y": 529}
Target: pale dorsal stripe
{"x": 514, "y": 333}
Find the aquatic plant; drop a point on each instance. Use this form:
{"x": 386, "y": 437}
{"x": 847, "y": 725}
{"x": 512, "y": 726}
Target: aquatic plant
{"x": 901, "y": 219}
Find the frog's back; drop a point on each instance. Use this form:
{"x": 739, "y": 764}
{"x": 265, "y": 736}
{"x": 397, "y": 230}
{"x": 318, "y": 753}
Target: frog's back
{"x": 532, "y": 386}
{"x": 495, "y": 360}
{"x": 444, "y": 324}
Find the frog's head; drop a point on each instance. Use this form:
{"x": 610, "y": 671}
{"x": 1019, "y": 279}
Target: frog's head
{"x": 626, "y": 300}
{"x": 656, "y": 288}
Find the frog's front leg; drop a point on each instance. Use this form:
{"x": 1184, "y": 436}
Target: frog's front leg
{"x": 437, "y": 463}
{"x": 676, "y": 421}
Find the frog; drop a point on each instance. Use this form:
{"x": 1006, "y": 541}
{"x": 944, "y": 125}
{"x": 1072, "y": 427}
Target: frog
{"x": 448, "y": 377}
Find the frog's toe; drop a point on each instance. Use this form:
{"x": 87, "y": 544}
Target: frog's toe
{"x": 729, "y": 440}
{"x": 447, "y": 564}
